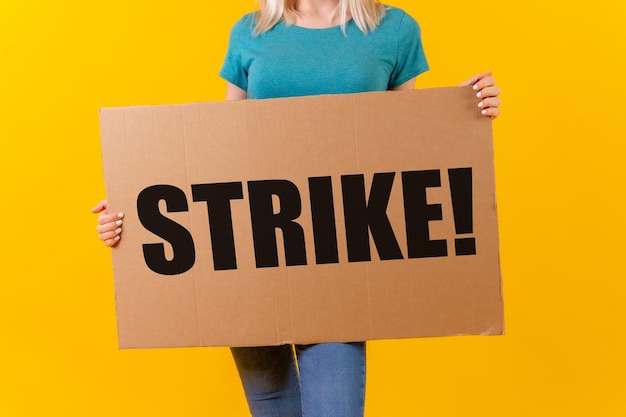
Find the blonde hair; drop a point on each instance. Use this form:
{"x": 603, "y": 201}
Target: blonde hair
{"x": 366, "y": 14}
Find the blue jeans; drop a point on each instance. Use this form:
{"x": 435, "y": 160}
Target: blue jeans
{"x": 322, "y": 380}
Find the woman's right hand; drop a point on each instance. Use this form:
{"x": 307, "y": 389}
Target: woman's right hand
{"x": 109, "y": 224}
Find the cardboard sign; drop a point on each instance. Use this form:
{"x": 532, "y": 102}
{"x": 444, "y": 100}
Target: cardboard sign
{"x": 303, "y": 220}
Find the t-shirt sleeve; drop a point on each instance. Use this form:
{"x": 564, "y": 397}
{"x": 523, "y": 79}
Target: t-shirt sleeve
{"x": 411, "y": 60}
{"x": 233, "y": 69}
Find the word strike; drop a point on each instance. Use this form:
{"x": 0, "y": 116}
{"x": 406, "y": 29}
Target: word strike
{"x": 363, "y": 216}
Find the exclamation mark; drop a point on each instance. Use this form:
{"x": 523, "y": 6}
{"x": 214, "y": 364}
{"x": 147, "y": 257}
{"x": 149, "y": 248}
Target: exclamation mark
{"x": 461, "y": 193}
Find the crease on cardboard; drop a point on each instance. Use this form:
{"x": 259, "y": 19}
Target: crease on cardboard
{"x": 355, "y": 134}
{"x": 290, "y": 330}
{"x": 276, "y": 321}
{"x": 369, "y": 310}
{"x": 287, "y": 328}
{"x": 502, "y": 324}
{"x": 493, "y": 329}
{"x": 355, "y": 115}
{"x": 182, "y": 113}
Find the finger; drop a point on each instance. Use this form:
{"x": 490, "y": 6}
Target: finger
{"x": 109, "y": 227}
{"x": 469, "y": 81}
{"x": 488, "y": 92}
{"x": 476, "y": 78}
{"x": 110, "y": 234}
{"x": 490, "y": 102}
{"x": 102, "y": 205}
{"x": 484, "y": 83}
{"x": 112, "y": 242}
{"x": 492, "y": 112}
{"x": 105, "y": 217}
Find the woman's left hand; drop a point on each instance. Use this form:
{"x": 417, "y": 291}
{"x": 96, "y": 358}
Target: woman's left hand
{"x": 486, "y": 92}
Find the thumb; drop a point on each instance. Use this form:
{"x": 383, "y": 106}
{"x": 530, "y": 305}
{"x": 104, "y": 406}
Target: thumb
{"x": 101, "y": 206}
{"x": 475, "y": 79}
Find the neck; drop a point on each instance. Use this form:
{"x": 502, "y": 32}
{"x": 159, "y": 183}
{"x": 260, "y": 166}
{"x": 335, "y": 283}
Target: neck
{"x": 317, "y": 13}
{"x": 316, "y": 5}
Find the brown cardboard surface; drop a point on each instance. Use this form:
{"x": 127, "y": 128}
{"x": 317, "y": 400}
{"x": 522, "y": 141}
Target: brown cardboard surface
{"x": 261, "y": 143}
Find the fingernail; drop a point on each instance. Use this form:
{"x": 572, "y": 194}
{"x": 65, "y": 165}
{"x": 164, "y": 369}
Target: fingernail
{"x": 475, "y": 86}
{"x": 479, "y": 105}
{"x": 484, "y": 112}
{"x": 118, "y": 230}
{"x": 116, "y": 237}
{"x": 479, "y": 94}
{"x": 120, "y": 215}
{"x": 119, "y": 222}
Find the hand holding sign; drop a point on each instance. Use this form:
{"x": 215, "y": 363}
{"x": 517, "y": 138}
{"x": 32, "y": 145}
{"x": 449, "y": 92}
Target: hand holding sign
{"x": 485, "y": 89}
{"x": 109, "y": 224}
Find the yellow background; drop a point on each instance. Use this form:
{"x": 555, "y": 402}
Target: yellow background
{"x": 561, "y": 184}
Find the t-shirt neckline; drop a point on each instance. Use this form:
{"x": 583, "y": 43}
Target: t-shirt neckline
{"x": 320, "y": 29}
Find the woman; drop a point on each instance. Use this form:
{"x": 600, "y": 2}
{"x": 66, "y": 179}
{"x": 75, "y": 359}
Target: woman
{"x": 308, "y": 47}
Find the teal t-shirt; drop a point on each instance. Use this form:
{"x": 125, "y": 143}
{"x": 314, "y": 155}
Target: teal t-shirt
{"x": 290, "y": 60}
